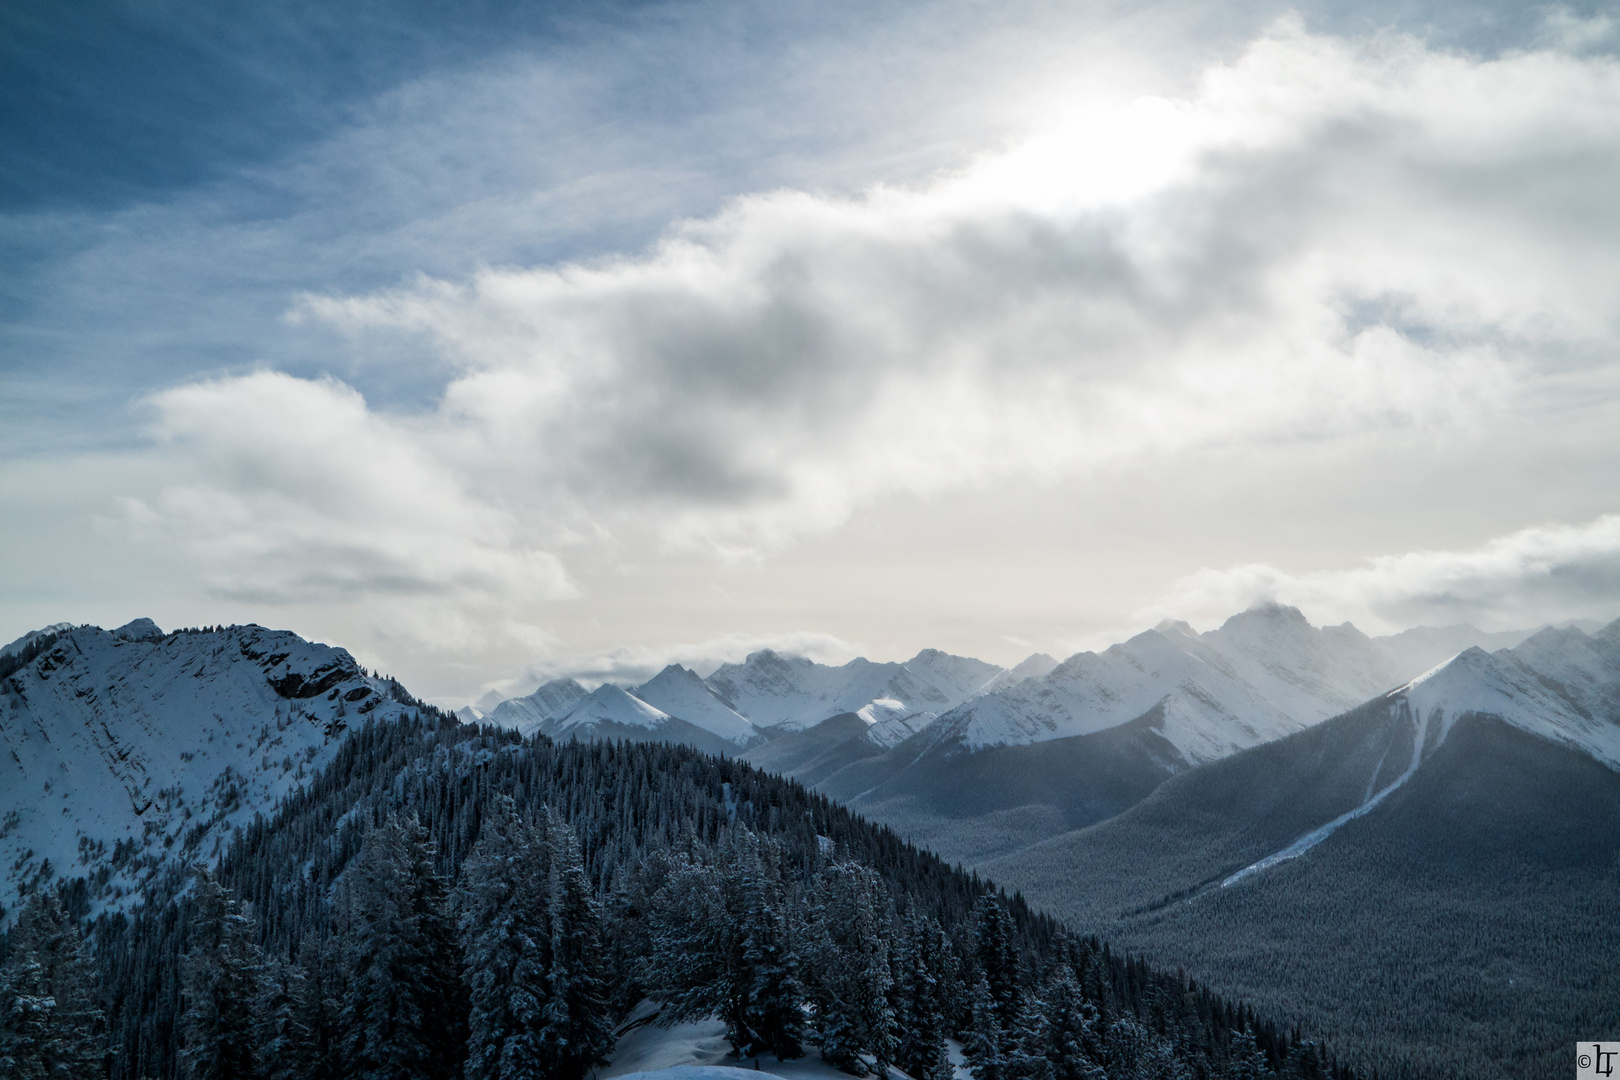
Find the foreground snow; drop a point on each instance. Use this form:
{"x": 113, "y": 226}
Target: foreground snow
{"x": 699, "y": 1051}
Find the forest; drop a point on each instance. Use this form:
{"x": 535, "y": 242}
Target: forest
{"x": 454, "y": 901}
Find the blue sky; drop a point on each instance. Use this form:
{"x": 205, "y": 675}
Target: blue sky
{"x": 506, "y": 339}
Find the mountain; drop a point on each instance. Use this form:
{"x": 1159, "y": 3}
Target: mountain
{"x": 34, "y": 635}
{"x": 791, "y": 693}
{"x": 124, "y": 753}
{"x": 1031, "y": 667}
{"x": 679, "y": 691}
{"x": 610, "y": 712}
{"x": 551, "y": 702}
{"x": 1098, "y": 732}
{"x": 1434, "y": 874}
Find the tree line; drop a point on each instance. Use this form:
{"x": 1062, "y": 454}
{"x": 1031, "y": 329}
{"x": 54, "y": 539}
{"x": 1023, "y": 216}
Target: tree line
{"x": 448, "y": 901}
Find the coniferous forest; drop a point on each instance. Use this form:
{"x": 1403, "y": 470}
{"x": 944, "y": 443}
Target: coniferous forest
{"x": 453, "y": 901}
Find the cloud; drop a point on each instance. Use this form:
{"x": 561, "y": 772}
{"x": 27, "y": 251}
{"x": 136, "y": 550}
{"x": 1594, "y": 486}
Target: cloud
{"x": 1325, "y": 240}
{"x": 1330, "y": 238}
{"x": 285, "y": 490}
{"x": 630, "y": 665}
{"x": 1535, "y": 575}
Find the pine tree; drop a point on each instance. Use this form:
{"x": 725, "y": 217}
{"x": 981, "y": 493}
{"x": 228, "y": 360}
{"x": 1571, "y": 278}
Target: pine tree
{"x": 1074, "y": 1045}
{"x": 506, "y": 946}
{"x": 689, "y": 966}
{"x": 1028, "y": 1043}
{"x": 578, "y": 1027}
{"x": 220, "y": 983}
{"x": 850, "y": 925}
{"x": 284, "y": 1044}
{"x": 1247, "y": 1061}
{"x": 920, "y": 1014}
{"x": 997, "y": 955}
{"x": 772, "y": 1006}
{"x": 50, "y": 1024}
{"x": 401, "y": 1017}
{"x": 985, "y": 1049}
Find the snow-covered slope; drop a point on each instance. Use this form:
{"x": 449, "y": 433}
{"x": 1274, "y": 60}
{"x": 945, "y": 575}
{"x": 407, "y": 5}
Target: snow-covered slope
{"x": 1563, "y": 685}
{"x": 792, "y": 693}
{"x": 551, "y": 702}
{"x": 34, "y": 635}
{"x": 1261, "y": 675}
{"x": 608, "y": 704}
{"x": 678, "y": 691}
{"x": 124, "y": 752}
{"x": 1031, "y": 667}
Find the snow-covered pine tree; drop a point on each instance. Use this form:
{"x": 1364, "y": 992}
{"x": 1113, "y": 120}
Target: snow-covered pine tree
{"x": 284, "y": 1044}
{"x": 506, "y": 945}
{"x": 689, "y": 965}
{"x": 1074, "y": 1043}
{"x": 773, "y": 998}
{"x": 578, "y": 1031}
{"x": 1247, "y": 1061}
{"x": 850, "y": 923}
{"x": 50, "y": 1024}
{"x": 1028, "y": 1043}
{"x": 399, "y": 1019}
{"x": 996, "y": 950}
{"x": 920, "y": 1013}
{"x": 219, "y": 980}
{"x": 985, "y": 1045}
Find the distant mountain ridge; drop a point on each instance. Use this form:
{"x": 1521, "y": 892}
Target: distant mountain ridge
{"x": 973, "y": 759}
{"x": 126, "y": 753}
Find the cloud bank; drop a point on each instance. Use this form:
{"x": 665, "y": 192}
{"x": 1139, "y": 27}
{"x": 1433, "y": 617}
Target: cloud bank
{"x": 1540, "y": 574}
{"x": 1329, "y": 238}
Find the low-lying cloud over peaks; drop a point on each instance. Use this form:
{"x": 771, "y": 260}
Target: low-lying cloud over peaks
{"x": 1543, "y": 574}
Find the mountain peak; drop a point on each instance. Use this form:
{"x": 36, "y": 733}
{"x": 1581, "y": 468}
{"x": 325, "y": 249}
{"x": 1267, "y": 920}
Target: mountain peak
{"x": 1176, "y": 626}
{"x": 138, "y": 630}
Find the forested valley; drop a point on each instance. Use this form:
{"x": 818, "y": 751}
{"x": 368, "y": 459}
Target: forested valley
{"x": 454, "y": 901}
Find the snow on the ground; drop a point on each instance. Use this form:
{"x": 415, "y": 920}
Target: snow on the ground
{"x": 699, "y": 1051}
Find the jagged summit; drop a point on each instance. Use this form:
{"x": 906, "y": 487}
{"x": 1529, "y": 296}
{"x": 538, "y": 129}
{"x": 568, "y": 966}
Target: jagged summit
{"x": 678, "y": 691}
{"x": 138, "y": 630}
{"x": 550, "y": 702}
{"x": 122, "y": 752}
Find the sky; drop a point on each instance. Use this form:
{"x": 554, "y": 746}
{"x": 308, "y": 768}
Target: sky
{"x": 507, "y": 340}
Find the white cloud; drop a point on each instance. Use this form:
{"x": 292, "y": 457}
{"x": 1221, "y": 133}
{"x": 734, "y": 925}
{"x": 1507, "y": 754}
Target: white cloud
{"x": 287, "y": 490}
{"x": 1330, "y": 238}
{"x": 633, "y": 664}
{"x": 1535, "y": 575}
{"x": 1327, "y": 240}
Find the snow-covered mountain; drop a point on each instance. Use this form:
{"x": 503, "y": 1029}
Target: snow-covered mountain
{"x": 791, "y": 693}
{"x": 1261, "y": 675}
{"x": 126, "y": 751}
{"x": 611, "y": 712}
{"x": 678, "y": 691}
{"x": 551, "y": 702}
{"x": 1031, "y": 667}
{"x": 1464, "y": 825}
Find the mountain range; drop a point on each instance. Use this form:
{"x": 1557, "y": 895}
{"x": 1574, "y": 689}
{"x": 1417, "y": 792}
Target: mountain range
{"x": 1470, "y": 817}
{"x": 971, "y": 758}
